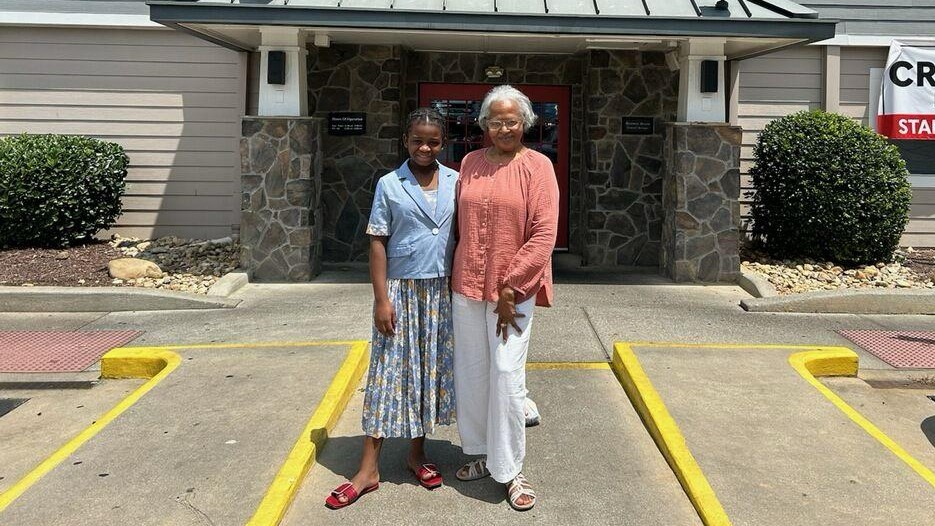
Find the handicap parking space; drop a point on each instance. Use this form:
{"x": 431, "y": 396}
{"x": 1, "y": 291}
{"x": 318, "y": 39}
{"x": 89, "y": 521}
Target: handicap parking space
{"x": 590, "y": 460}
{"x": 201, "y": 447}
{"x": 776, "y": 450}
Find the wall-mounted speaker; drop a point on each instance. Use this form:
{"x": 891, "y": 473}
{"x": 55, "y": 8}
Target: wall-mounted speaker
{"x": 276, "y": 67}
{"x": 709, "y": 76}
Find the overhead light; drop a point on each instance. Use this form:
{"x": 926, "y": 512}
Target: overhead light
{"x": 493, "y": 72}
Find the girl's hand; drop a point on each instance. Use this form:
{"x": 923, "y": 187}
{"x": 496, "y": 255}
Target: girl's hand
{"x": 506, "y": 313}
{"x": 384, "y": 318}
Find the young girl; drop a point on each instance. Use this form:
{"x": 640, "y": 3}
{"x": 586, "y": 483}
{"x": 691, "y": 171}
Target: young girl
{"x": 410, "y": 387}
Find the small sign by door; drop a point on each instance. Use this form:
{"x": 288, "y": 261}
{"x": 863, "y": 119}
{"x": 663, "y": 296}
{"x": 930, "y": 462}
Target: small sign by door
{"x": 638, "y": 126}
{"x": 347, "y": 123}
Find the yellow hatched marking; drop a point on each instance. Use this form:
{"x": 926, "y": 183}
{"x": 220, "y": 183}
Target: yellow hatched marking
{"x": 554, "y": 366}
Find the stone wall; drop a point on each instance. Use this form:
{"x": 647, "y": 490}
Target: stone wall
{"x": 281, "y": 223}
{"x": 361, "y": 79}
{"x": 701, "y": 191}
{"x": 615, "y": 180}
{"x": 623, "y": 190}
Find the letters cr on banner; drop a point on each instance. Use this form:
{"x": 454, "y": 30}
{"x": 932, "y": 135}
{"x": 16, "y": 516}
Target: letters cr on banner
{"x": 907, "y": 101}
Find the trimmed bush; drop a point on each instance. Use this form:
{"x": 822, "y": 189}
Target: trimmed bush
{"x": 829, "y": 189}
{"x": 58, "y": 190}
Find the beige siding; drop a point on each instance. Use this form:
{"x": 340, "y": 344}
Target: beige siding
{"x": 172, "y": 101}
{"x": 791, "y": 80}
{"x": 772, "y": 86}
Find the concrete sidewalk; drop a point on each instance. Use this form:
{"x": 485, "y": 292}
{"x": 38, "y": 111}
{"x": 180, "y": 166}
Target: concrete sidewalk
{"x": 590, "y": 461}
{"x": 774, "y": 449}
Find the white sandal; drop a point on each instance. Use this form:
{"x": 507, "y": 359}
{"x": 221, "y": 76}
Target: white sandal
{"x": 476, "y": 469}
{"x": 520, "y": 487}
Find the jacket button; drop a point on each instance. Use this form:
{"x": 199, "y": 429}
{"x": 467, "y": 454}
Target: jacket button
{"x": 435, "y": 231}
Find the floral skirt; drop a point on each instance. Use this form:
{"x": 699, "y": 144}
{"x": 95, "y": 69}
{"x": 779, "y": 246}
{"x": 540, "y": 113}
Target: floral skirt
{"x": 410, "y": 386}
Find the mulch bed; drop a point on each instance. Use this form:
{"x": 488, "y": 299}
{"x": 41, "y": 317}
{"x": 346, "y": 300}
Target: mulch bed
{"x": 922, "y": 262}
{"x": 48, "y": 266}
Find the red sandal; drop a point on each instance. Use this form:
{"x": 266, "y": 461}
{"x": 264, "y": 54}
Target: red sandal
{"x": 435, "y": 478}
{"x": 349, "y": 492}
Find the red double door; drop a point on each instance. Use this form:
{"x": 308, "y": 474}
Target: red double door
{"x": 460, "y": 103}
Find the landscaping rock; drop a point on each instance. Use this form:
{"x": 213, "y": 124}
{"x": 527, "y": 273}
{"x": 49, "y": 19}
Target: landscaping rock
{"x": 133, "y": 268}
{"x": 190, "y": 265}
{"x": 793, "y": 277}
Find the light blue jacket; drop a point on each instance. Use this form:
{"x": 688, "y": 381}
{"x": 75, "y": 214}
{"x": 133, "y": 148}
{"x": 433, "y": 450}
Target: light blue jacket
{"x": 421, "y": 243}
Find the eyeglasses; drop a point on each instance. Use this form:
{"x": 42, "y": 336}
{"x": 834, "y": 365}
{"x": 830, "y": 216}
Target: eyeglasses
{"x": 496, "y": 125}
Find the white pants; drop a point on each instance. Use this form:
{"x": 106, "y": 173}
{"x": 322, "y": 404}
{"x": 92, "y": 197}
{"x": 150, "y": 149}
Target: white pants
{"x": 490, "y": 385}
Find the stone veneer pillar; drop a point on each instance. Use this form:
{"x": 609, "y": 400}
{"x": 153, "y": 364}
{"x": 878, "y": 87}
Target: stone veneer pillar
{"x": 281, "y": 224}
{"x": 700, "y": 194}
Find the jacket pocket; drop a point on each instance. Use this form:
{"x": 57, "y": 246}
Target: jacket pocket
{"x": 398, "y": 251}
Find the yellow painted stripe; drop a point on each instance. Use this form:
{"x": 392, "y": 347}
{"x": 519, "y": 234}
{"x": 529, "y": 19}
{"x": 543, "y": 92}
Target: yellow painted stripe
{"x": 843, "y": 362}
{"x": 154, "y": 364}
{"x": 729, "y": 345}
{"x": 551, "y": 366}
{"x": 667, "y": 435}
{"x": 258, "y": 345}
{"x": 282, "y": 491}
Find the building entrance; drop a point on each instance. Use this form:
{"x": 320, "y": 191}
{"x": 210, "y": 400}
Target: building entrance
{"x": 460, "y": 103}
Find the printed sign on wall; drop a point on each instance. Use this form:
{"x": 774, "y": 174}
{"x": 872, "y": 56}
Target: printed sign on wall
{"x": 907, "y": 103}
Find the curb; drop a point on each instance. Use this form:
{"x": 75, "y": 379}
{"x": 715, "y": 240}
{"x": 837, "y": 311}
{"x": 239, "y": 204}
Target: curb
{"x": 104, "y": 299}
{"x": 756, "y": 285}
{"x": 898, "y": 378}
{"x": 848, "y": 302}
{"x": 289, "y": 478}
{"x": 667, "y": 436}
{"x": 229, "y": 284}
{"x": 153, "y": 364}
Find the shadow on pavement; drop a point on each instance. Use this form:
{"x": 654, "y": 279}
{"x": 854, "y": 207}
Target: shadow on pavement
{"x": 342, "y": 454}
{"x": 928, "y": 429}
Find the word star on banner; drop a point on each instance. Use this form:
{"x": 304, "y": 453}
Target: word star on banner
{"x": 907, "y": 101}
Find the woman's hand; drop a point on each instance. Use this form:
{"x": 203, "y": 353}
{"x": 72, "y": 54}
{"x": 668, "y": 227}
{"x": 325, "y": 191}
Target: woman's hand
{"x": 506, "y": 312}
{"x": 384, "y": 318}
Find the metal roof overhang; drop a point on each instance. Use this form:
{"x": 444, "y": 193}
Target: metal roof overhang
{"x": 219, "y": 23}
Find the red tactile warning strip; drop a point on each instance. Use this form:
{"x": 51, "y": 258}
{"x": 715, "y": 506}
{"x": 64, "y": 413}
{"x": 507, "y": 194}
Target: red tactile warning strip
{"x": 903, "y": 349}
{"x": 57, "y": 351}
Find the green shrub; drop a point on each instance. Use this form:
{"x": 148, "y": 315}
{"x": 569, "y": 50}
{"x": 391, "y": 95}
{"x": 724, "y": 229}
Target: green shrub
{"x": 58, "y": 190}
{"x": 828, "y": 188}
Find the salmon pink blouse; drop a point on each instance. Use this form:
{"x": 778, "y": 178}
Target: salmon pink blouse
{"x": 507, "y": 225}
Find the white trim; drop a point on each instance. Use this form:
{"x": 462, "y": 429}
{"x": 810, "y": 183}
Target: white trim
{"x": 31, "y": 18}
{"x": 876, "y": 87}
{"x": 873, "y": 40}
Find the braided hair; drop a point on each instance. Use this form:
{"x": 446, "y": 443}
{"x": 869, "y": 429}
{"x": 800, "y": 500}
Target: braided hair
{"x": 427, "y": 116}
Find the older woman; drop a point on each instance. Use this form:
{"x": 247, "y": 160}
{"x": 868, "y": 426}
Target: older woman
{"x": 507, "y": 222}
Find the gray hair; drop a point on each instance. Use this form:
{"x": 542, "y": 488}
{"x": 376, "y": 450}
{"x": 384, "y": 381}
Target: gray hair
{"x": 504, "y": 93}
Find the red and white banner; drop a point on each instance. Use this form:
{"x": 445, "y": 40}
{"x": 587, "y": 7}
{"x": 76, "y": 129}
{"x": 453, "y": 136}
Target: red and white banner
{"x": 907, "y": 100}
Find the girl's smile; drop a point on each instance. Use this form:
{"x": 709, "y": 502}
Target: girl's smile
{"x": 424, "y": 142}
